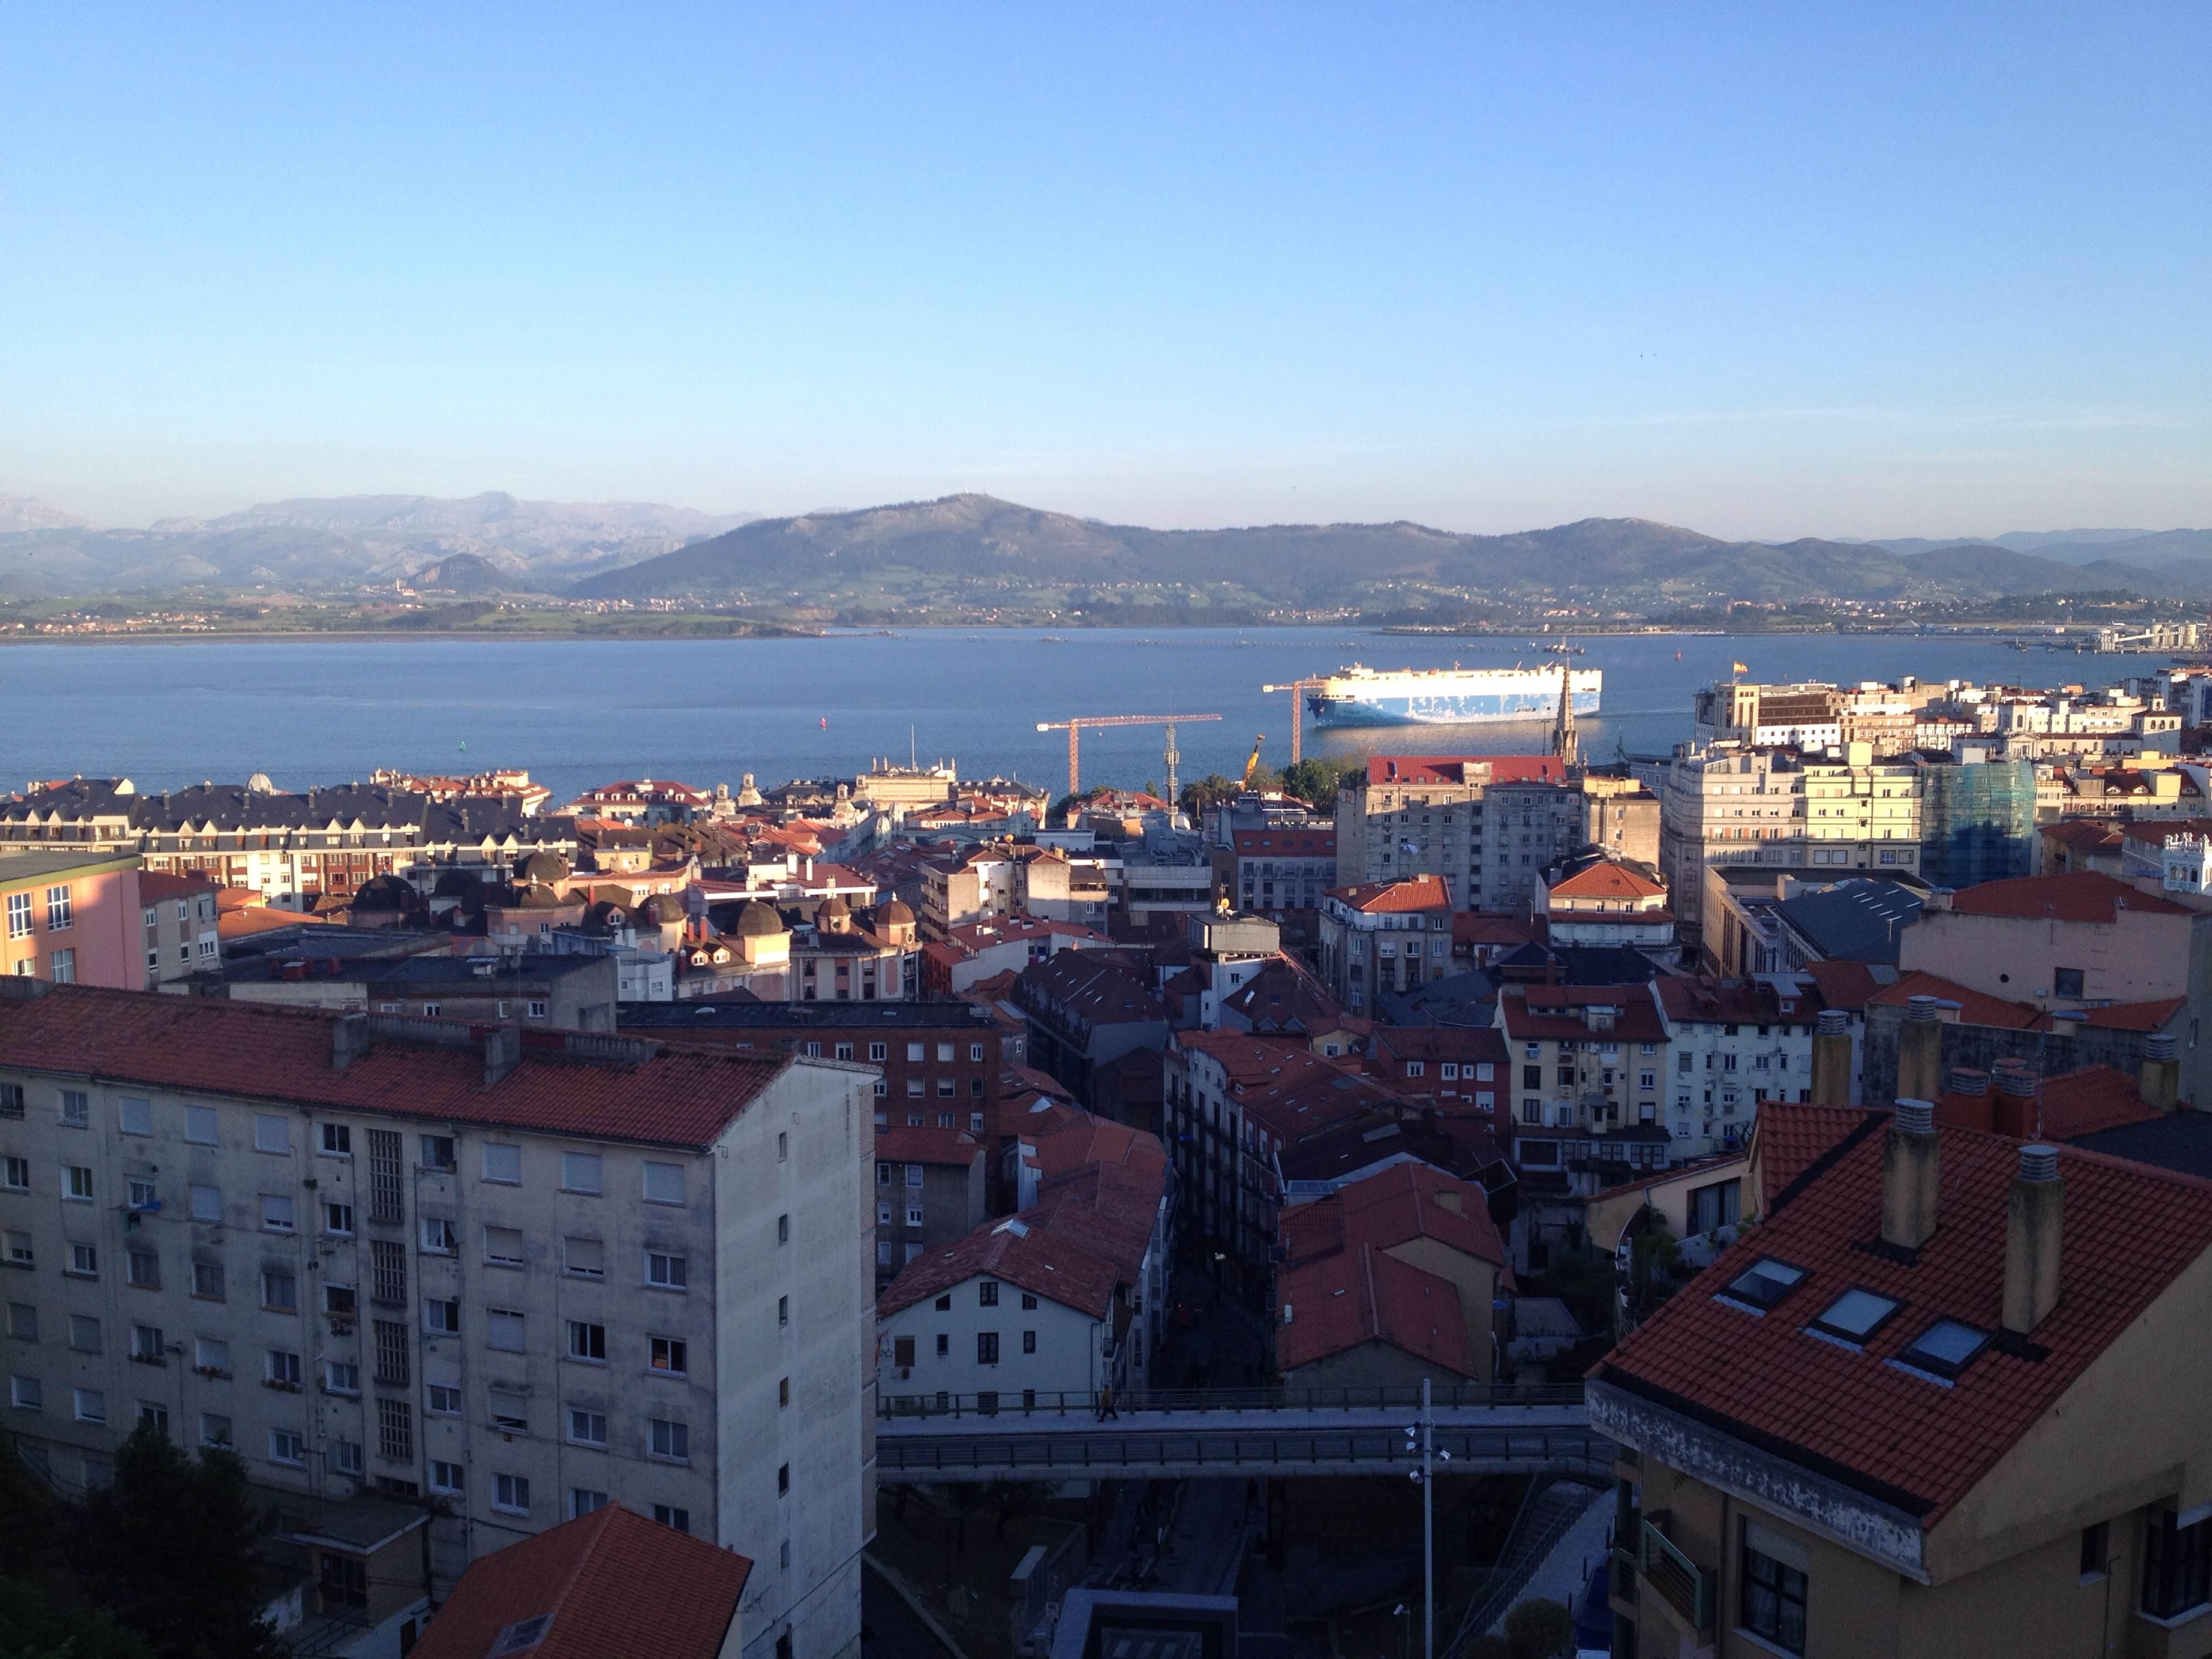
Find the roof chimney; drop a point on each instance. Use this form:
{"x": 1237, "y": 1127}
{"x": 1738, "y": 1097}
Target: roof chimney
{"x": 502, "y": 1052}
{"x": 1832, "y": 1058}
{"x": 1909, "y": 1169}
{"x": 2158, "y": 1078}
{"x": 2016, "y": 1111}
{"x": 2033, "y": 1214}
{"x": 1969, "y": 1080}
{"x": 348, "y": 1040}
{"x": 1920, "y": 1050}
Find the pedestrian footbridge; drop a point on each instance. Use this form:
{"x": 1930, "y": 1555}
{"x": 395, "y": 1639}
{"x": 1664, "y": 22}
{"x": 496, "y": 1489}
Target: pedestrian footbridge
{"x": 1494, "y": 1429}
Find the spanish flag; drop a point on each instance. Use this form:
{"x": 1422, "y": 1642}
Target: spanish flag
{"x": 1740, "y": 668}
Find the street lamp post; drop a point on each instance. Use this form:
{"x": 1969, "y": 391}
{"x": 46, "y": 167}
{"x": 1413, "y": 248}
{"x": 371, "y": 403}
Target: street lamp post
{"x": 1421, "y": 1437}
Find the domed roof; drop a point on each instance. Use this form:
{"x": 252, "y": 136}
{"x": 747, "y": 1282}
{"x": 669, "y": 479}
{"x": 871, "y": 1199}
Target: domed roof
{"x": 459, "y": 884}
{"x": 543, "y": 866}
{"x": 384, "y": 892}
{"x": 661, "y": 909}
{"x": 538, "y": 899}
{"x": 834, "y": 905}
{"x": 895, "y": 914}
{"x": 757, "y": 921}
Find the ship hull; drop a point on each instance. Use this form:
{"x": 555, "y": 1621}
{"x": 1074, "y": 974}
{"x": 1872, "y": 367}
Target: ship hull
{"x": 1478, "y": 698}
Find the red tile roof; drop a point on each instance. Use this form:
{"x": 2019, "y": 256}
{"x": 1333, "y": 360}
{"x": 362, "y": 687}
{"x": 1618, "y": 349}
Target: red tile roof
{"x": 1844, "y": 984}
{"x": 900, "y": 1142}
{"x": 1084, "y": 1236}
{"x": 1608, "y": 880}
{"x": 2128, "y": 1231}
{"x": 2130, "y": 1016}
{"x": 1346, "y": 1301}
{"x": 1067, "y": 1139}
{"x": 1389, "y": 897}
{"x": 2067, "y": 1107}
{"x": 1453, "y": 769}
{"x": 161, "y": 884}
{"x": 1787, "y": 1140}
{"x": 679, "y": 1097}
{"x": 2081, "y": 895}
{"x": 1402, "y": 1203}
{"x": 2088, "y": 834}
{"x": 612, "y": 1582}
{"x": 1540, "y": 1013}
{"x": 1974, "y": 1008}
{"x": 1473, "y": 927}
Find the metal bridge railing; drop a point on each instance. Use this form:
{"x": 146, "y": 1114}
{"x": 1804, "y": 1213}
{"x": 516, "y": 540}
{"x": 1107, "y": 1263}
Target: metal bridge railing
{"x": 1039, "y": 1402}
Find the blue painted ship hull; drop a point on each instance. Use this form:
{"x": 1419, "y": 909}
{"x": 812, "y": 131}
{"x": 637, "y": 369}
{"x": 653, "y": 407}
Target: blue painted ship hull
{"x": 1472, "y": 708}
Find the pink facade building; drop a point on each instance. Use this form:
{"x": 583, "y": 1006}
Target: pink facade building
{"x": 73, "y": 918}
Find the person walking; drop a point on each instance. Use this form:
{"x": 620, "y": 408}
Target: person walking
{"x": 1106, "y": 1404}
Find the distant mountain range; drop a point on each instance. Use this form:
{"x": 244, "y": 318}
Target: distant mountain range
{"x": 980, "y": 544}
{"x": 979, "y": 552}
{"x": 342, "y": 542}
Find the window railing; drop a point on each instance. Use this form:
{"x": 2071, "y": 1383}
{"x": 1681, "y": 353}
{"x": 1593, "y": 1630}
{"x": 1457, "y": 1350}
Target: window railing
{"x": 1044, "y": 1403}
{"x": 1685, "y": 1586}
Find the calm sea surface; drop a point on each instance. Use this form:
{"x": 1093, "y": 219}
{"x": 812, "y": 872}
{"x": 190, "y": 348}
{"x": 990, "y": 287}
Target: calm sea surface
{"x": 704, "y": 712}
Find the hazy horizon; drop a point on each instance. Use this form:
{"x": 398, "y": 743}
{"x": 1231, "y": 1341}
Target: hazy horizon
{"x": 1887, "y": 271}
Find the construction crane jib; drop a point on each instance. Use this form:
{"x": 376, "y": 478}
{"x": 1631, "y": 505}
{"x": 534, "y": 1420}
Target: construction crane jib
{"x": 1297, "y": 688}
{"x": 1075, "y": 728}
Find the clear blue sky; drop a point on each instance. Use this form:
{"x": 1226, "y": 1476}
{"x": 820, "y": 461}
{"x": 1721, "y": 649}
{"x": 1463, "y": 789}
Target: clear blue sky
{"x": 1774, "y": 270}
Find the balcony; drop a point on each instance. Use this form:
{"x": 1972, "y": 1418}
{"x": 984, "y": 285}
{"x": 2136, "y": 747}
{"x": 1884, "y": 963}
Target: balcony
{"x": 1684, "y": 1586}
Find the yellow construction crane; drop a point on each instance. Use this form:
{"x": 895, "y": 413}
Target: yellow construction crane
{"x": 1074, "y": 729}
{"x": 1297, "y": 688}
{"x": 1253, "y": 765}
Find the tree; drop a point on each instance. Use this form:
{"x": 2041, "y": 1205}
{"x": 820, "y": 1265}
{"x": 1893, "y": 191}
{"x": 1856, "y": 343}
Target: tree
{"x": 1316, "y": 781}
{"x": 35, "y": 1623}
{"x": 1211, "y": 790}
{"x": 171, "y": 1552}
{"x": 1537, "y": 1628}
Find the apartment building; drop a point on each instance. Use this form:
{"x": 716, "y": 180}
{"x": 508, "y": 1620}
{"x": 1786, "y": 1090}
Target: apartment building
{"x": 1004, "y": 878}
{"x": 252, "y": 835}
{"x": 179, "y": 914}
{"x": 982, "y": 950}
{"x": 1600, "y": 901}
{"x": 73, "y": 918}
{"x": 567, "y": 993}
{"x": 1772, "y": 807}
{"x": 1387, "y": 936}
{"x": 1487, "y": 822}
{"x": 930, "y": 1182}
{"x": 1584, "y": 1058}
{"x": 387, "y": 1258}
{"x": 1060, "y": 1299}
{"x": 1277, "y": 869}
{"x": 1730, "y": 1044}
{"x": 1926, "y": 1407}
{"x": 2061, "y": 941}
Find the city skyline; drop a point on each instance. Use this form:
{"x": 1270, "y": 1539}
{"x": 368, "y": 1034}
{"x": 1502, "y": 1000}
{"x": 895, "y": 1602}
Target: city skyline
{"x": 1892, "y": 274}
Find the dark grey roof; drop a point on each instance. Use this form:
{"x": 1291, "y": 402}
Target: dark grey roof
{"x": 1463, "y": 999}
{"x": 1856, "y": 921}
{"x": 235, "y": 808}
{"x": 2180, "y": 1141}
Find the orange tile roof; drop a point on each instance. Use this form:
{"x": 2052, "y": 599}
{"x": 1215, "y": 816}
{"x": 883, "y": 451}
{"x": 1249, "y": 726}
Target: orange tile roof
{"x": 1068, "y": 1139}
{"x": 2128, "y": 1231}
{"x": 1389, "y": 897}
{"x": 2087, "y": 835}
{"x": 2068, "y": 1106}
{"x": 907, "y": 1143}
{"x": 1284, "y": 843}
{"x": 1788, "y": 1140}
{"x": 1346, "y": 1301}
{"x": 1845, "y": 985}
{"x": 680, "y": 1096}
{"x": 1084, "y": 1236}
{"x": 1400, "y": 1204}
{"x": 161, "y": 884}
{"x": 2081, "y": 895}
{"x": 1604, "y": 879}
{"x": 611, "y": 1581}
{"x": 1974, "y": 1008}
{"x": 2130, "y": 1016}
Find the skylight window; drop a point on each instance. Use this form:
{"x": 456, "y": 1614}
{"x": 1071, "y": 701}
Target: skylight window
{"x": 1766, "y": 1283}
{"x": 1856, "y": 1314}
{"x": 1946, "y": 1348}
{"x": 522, "y": 1633}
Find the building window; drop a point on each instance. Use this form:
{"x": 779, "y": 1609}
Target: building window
{"x": 280, "y": 1290}
{"x": 207, "y": 1281}
{"x": 395, "y": 1431}
{"x": 337, "y": 1140}
{"x": 783, "y": 1228}
{"x": 214, "y": 1430}
{"x": 337, "y": 1218}
{"x": 438, "y": 1153}
{"x": 59, "y": 913}
{"x": 442, "y": 1317}
{"x": 664, "y": 1183}
{"x": 582, "y": 1500}
{"x": 579, "y": 1172}
{"x": 282, "y": 1367}
{"x": 668, "y": 1273}
{"x": 88, "y": 1404}
{"x": 587, "y": 1341}
{"x": 276, "y": 1214}
{"x": 143, "y": 1269}
{"x": 19, "y": 916}
{"x": 502, "y": 1164}
{"x": 341, "y": 1376}
{"x": 84, "y": 1260}
{"x": 391, "y": 1353}
{"x": 1773, "y": 1588}
{"x": 438, "y": 1237}
{"x": 672, "y": 1441}
{"x": 503, "y": 1246}
{"x": 442, "y": 1401}
{"x": 504, "y": 1330}
{"x": 669, "y": 1515}
{"x": 586, "y": 1258}
{"x": 668, "y": 1354}
{"x": 587, "y": 1428}
{"x": 76, "y": 1182}
{"x": 272, "y": 1133}
{"x": 510, "y": 1492}
{"x": 987, "y": 1347}
{"x": 2177, "y": 1565}
{"x": 286, "y": 1446}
